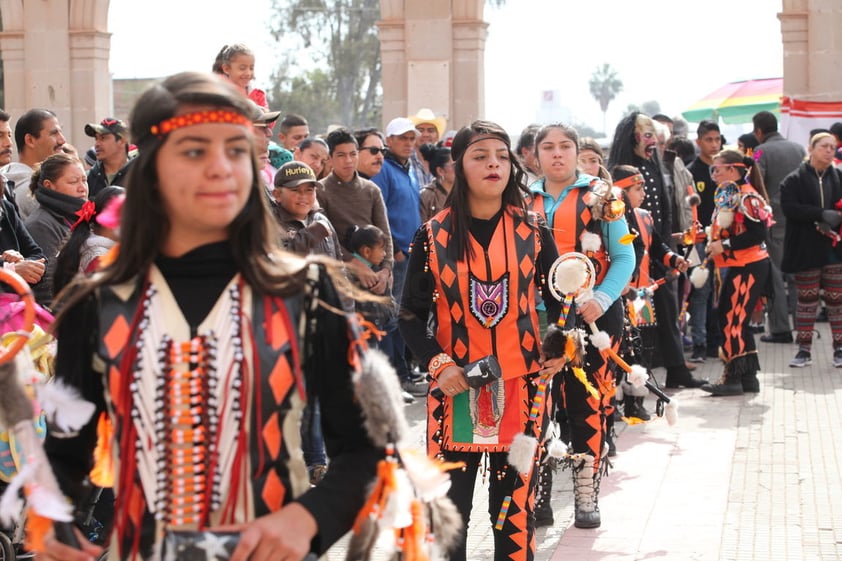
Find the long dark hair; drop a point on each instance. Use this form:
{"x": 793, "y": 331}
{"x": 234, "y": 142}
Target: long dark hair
{"x": 67, "y": 262}
{"x": 513, "y": 195}
{"x": 753, "y": 175}
{"x": 144, "y": 224}
{"x": 622, "y": 147}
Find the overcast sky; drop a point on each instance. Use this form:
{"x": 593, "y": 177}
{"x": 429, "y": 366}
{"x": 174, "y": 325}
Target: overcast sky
{"x": 665, "y": 50}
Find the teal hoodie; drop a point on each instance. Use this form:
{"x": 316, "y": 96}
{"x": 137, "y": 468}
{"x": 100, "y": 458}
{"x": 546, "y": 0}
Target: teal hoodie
{"x": 622, "y": 256}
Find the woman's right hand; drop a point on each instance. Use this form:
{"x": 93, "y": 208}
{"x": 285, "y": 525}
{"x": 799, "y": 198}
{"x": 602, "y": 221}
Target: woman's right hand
{"x": 452, "y": 381}
{"x": 54, "y": 550}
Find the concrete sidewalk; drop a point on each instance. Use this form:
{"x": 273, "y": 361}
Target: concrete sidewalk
{"x": 756, "y": 477}
{"x": 750, "y": 478}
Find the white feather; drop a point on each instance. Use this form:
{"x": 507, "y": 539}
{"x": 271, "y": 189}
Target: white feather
{"x": 49, "y": 504}
{"x": 398, "y": 510}
{"x": 642, "y": 391}
{"x": 11, "y": 506}
{"x": 64, "y": 407}
{"x": 671, "y": 411}
{"x": 638, "y": 304}
{"x": 590, "y": 241}
{"x": 601, "y": 340}
{"x": 725, "y": 218}
{"x": 522, "y": 452}
{"x": 638, "y": 376}
{"x": 556, "y": 449}
{"x": 699, "y": 276}
{"x": 426, "y": 475}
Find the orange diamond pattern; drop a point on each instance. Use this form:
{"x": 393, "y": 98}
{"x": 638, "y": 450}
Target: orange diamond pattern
{"x": 459, "y": 348}
{"x": 273, "y": 492}
{"x": 278, "y": 331}
{"x": 528, "y": 341}
{"x": 114, "y": 379}
{"x": 272, "y": 435}
{"x": 447, "y": 276}
{"x": 524, "y": 302}
{"x": 280, "y": 379}
{"x": 442, "y": 237}
{"x": 456, "y": 311}
{"x": 117, "y": 336}
{"x": 526, "y": 266}
{"x": 523, "y": 231}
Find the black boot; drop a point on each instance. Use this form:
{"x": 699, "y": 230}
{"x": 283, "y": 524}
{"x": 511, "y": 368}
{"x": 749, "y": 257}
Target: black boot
{"x": 543, "y": 509}
{"x": 679, "y": 376}
{"x": 586, "y": 494}
{"x": 633, "y": 407}
{"x": 730, "y": 383}
{"x": 750, "y": 383}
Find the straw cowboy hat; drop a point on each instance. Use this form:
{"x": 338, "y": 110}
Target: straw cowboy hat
{"x": 426, "y": 115}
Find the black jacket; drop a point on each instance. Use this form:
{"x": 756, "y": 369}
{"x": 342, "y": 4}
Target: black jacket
{"x": 14, "y": 235}
{"x": 802, "y": 203}
{"x": 97, "y": 180}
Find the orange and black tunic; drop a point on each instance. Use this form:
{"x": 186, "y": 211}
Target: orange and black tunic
{"x": 205, "y": 461}
{"x": 479, "y": 305}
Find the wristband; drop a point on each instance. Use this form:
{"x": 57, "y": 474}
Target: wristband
{"x": 438, "y": 363}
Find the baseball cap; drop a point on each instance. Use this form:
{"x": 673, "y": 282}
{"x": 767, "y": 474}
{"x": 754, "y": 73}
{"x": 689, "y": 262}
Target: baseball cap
{"x": 293, "y": 174}
{"x": 109, "y": 125}
{"x": 399, "y": 126}
{"x": 261, "y": 116}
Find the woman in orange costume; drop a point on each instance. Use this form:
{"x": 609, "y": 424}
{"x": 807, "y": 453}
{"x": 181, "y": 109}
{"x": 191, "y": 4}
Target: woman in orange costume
{"x": 470, "y": 293}
{"x": 737, "y": 246}
{"x": 188, "y": 344}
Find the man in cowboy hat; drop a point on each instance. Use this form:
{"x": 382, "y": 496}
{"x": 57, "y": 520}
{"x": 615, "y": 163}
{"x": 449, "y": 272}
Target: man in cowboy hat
{"x": 430, "y": 129}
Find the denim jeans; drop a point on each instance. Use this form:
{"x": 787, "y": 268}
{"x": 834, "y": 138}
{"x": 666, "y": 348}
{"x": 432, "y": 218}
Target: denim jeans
{"x": 392, "y": 344}
{"x": 312, "y": 440}
{"x": 698, "y": 309}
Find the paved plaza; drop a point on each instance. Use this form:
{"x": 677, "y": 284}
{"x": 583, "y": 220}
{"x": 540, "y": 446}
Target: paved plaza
{"x": 750, "y": 478}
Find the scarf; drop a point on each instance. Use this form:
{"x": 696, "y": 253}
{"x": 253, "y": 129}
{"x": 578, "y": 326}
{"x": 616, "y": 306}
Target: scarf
{"x": 59, "y": 204}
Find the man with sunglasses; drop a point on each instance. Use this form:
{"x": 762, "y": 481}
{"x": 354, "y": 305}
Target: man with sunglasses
{"x": 372, "y": 152}
{"x": 111, "y": 144}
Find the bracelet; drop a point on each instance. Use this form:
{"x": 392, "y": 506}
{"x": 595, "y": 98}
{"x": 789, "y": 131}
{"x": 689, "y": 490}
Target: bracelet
{"x": 438, "y": 363}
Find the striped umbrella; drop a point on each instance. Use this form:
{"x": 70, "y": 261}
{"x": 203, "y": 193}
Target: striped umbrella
{"x": 737, "y": 102}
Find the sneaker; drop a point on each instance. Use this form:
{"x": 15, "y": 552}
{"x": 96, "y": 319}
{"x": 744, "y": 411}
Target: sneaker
{"x": 837, "y": 358}
{"x": 416, "y": 390}
{"x": 803, "y": 358}
{"x": 417, "y": 377}
{"x": 698, "y": 354}
{"x": 407, "y": 398}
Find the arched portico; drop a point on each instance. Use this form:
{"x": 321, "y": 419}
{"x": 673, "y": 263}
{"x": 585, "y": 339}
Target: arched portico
{"x": 55, "y": 55}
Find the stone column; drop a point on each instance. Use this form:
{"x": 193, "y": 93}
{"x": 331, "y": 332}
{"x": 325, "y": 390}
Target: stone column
{"x": 55, "y": 56}
{"x": 90, "y": 80}
{"x": 432, "y": 55}
{"x": 811, "y": 31}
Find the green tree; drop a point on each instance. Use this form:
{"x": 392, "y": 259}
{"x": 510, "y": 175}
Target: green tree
{"x": 340, "y": 80}
{"x": 605, "y": 84}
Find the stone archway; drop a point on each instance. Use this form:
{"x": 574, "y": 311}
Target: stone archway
{"x": 55, "y": 55}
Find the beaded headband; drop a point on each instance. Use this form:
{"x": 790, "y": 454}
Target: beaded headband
{"x": 629, "y": 181}
{"x": 224, "y": 116}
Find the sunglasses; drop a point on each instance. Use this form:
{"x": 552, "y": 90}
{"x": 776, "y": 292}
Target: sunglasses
{"x": 373, "y": 150}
